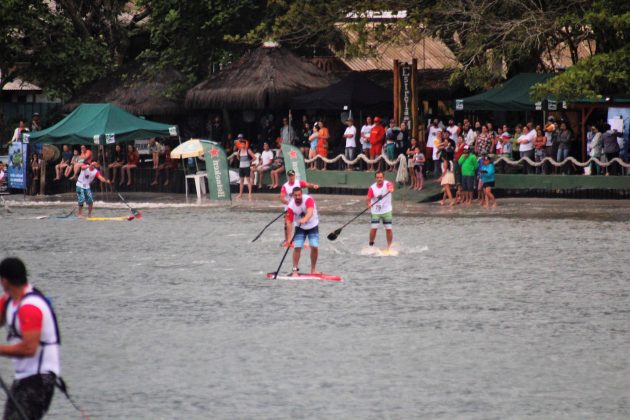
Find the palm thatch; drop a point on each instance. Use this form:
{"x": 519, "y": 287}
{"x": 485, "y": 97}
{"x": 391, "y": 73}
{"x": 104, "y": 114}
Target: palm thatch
{"x": 133, "y": 92}
{"x": 265, "y": 78}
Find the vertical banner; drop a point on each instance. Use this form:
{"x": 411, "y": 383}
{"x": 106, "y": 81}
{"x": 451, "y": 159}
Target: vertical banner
{"x": 406, "y": 95}
{"x": 17, "y": 165}
{"x": 294, "y": 159}
{"x": 217, "y": 171}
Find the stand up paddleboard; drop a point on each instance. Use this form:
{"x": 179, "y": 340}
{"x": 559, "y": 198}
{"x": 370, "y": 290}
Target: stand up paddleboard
{"x": 99, "y": 219}
{"x": 321, "y": 276}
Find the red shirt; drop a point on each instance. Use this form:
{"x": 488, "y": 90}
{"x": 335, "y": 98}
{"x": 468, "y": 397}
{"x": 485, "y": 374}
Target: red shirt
{"x": 29, "y": 316}
{"x": 377, "y": 135}
{"x": 133, "y": 158}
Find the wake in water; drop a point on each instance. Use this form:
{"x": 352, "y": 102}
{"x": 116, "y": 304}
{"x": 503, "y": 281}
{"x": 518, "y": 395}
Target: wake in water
{"x": 394, "y": 251}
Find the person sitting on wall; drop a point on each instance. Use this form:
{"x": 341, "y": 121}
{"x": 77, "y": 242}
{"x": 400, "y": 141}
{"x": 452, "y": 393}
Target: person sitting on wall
{"x": 168, "y": 164}
{"x": 66, "y": 157}
{"x": 84, "y": 158}
{"x": 133, "y": 159}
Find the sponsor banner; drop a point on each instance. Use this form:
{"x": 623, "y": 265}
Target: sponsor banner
{"x": 406, "y": 95}
{"x": 16, "y": 171}
{"x": 294, "y": 160}
{"x": 217, "y": 171}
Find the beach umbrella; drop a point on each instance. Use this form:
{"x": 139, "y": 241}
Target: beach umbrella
{"x": 188, "y": 149}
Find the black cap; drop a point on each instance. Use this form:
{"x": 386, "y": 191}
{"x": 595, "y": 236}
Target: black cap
{"x": 290, "y": 172}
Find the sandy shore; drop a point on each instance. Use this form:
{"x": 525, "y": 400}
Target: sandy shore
{"x": 612, "y": 210}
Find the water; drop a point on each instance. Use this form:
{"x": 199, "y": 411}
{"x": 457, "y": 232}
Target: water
{"x": 170, "y": 317}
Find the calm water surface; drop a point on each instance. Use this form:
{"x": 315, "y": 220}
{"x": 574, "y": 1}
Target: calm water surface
{"x": 170, "y": 317}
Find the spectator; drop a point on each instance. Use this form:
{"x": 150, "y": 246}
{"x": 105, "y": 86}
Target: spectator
{"x": 215, "y": 130}
{"x": 133, "y": 159}
{"x": 377, "y": 138}
{"x": 36, "y": 124}
{"x": 468, "y": 162}
{"x": 35, "y": 171}
{"x": 564, "y": 140}
{"x": 433, "y": 133}
{"x": 287, "y": 133}
{"x": 550, "y": 135}
{"x": 504, "y": 148}
{"x": 594, "y": 149}
{"x": 118, "y": 161}
{"x": 518, "y": 131}
{"x": 526, "y": 148}
{"x": 312, "y": 153}
{"x": 245, "y": 157}
{"x": 457, "y": 169}
{"x": 277, "y": 167}
{"x": 305, "y": 143}
{"x": 85, "y": 157}
{"x": 410, "y": 152}
{"x": 468, "y": 133}
{"x": 19, "y": 131}
{"x": 155, "y": 149}
{"x": 322, "y": 142}
{"x": 402, "y": 140}
{"x": 484, "y": 141}
{"x": 453, "y": 130}
{"x": 540, "y": 143}
{"x": 366, "y": 130}
{"x": 418, "y": 163}
{"x": 611, "y": 149}
{"x": 73, "y": 161}
{"x": 350, "y": 135}
{"x": 390, "y": 142}
{"x": 447, "y": 180}
{"x": 435, "y": 147}
{"x": 265, "y": 161}
{"x": 486, "y": 174}
{"x": 66, "y": 158}
{"x": 168, "y": 165}
{"x": 3, "y": 178}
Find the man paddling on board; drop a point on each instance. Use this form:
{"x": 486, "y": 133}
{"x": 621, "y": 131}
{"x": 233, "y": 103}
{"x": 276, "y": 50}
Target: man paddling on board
{"x": 286, "y": 193}
{"x": 84, "y": 192}
{"x": 379, "y": 200}
{"x": 302, "y": 211}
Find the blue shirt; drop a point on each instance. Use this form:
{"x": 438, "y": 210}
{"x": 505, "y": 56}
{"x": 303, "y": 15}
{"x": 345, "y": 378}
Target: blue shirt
{"x": 488, "y": 175}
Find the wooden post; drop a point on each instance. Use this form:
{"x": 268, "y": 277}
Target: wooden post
{"x": 414, "y": 95}
{"x": 396, "y": 90}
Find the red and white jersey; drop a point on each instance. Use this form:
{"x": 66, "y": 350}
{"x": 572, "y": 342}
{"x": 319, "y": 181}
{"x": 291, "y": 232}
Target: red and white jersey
{"x": 287, "y": 189}
{"x": 33, "y": 314}
{"x": 296, "y": 211}
{"x": 86, "y": 177}
{"x": 375, "y": 192}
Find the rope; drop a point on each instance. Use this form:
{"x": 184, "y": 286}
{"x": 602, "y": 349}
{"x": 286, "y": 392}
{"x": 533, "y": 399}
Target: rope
{"x": 402, "y": 174}
{"x": 570, "y": 159}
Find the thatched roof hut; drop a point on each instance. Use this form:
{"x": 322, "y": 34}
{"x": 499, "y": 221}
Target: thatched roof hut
{"x": 135, "y": 94}
{"x": 265, "y": 78}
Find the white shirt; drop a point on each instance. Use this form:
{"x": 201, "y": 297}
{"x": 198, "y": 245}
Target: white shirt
{"x": 86, "y": 177}
{"x": 453, "y": 132}
{"x": 299, "y": 211}
{"x": 267, "y": 157}
{"x": 526, "y": 147}
{"x": 350, "y": 141}
{"x": 365, "y": 136}
{"x": 385, "y": 204}
{"x": 470, "y": 137}
{"x": 433, "y": 132}
{"x": 436, "y": 150}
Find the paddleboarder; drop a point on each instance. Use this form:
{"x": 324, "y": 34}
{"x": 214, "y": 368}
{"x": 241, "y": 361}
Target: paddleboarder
{"x": 379, "y": 201}
{"x": 302, "y": 212}
{"x": 33, "y": 343}
{"x": 84, "y": 192}
{"x": 286, "y": 193}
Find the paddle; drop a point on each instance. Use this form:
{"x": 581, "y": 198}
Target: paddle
{"x": 275, "y": 274}
{"x": 333, "y": 235}
{"x": 65, "y": 216}
{"x": 6, "y": 206}
{"x": 268, "y": 224}
{"x": 135, "y": 212}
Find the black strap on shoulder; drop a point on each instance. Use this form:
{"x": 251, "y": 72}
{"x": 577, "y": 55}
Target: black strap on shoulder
{"x": 61, "y": 384}
{"x": 13, "y": 332}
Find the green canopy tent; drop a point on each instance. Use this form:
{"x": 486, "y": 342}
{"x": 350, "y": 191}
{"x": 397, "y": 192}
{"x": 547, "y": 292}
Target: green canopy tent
{"x": 101, "y": 124}
{"x": 512, "y": 95}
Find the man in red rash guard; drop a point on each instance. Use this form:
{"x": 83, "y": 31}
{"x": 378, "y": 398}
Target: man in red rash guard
{"x": 286, "y": 193}
{"x": 302, "y": 211}
{"x": 33, "y": 342}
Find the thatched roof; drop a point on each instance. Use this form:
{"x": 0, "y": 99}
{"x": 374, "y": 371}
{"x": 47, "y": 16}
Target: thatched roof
{"x": 265, "y": 78}
{"x": 135, "y": 94}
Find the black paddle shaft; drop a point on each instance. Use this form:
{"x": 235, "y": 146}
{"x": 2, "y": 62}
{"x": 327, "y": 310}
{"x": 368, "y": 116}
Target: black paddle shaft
{"x": 268, "y": 224}
{"x": 275, "y": 275}
{"x": 133, "y": 211}
{"x": 17, "y": 405}
{"x": 333, "y": 235}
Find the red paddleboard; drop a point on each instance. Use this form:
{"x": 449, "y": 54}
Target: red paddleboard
{"x": 302, "y": 276}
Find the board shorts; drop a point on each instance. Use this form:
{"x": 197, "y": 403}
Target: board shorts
{"x": 33, "y": 394}
{"x": 385, "y": 217}
{"x": 313, "y": 144}
{"x": 375, "y": 151}
{"x": 488, "y": 184}
{"x": 418, "y": 168}
{"x": 84, "y": 195}
{"x": 468, "y": 183}
{"x": 244, "y": 172}
{"x": 301, "y": 234}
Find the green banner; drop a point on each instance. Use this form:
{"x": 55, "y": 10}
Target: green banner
{"x": 294, "y": 159}
{"x": 217, "y": 170}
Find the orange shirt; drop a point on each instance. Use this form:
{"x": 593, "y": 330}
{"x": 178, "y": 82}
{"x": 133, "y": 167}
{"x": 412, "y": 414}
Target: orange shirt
{"x": 322, "y": 142}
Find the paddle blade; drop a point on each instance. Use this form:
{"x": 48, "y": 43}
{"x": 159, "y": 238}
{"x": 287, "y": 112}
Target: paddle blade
{"x": 136, "y": 214}
{"x": 333, "y": 235}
